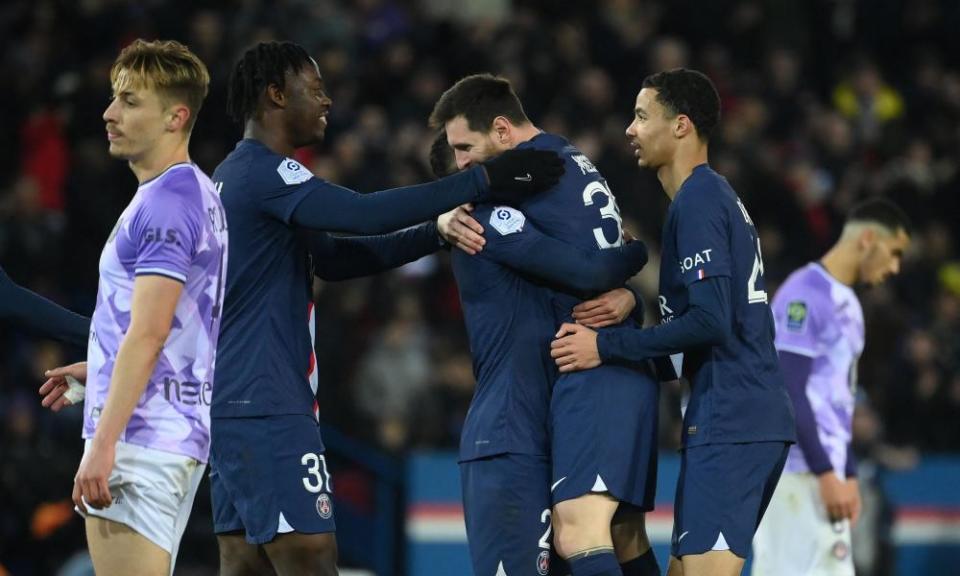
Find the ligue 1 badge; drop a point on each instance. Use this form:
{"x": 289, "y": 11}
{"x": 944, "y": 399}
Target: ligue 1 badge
{"x": 543, "y": 563}
{"x": 324, "y": 506}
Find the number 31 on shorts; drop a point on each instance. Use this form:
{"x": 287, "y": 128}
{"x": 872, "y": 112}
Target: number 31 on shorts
{"x": 316, "y": 482}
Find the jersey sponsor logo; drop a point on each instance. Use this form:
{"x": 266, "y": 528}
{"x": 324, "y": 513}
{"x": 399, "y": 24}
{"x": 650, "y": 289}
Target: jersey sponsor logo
{"x": 584, "y": 163}
{"x": 293, "y": 172}
{"x": 186, "y": 392}
{"x": 163, "y": 235}
{"x": 698, "y": 259}
{"x": 796, "y": 316}
{"x": 324, "y": 506}
{"x": 507, "y": 220}
{"x": 665, "y": 311}
{"x": 543, "y": 563}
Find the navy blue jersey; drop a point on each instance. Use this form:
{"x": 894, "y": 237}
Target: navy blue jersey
{"x": 580, "y": 209}
{"x": 736, "y": 390}
{"x": 265, "y": 360}
{"x": 509, "y": 301}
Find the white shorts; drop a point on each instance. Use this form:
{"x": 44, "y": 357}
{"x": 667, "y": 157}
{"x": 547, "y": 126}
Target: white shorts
{"x": 152, "y": 493}
{"x": 795, "y": 537}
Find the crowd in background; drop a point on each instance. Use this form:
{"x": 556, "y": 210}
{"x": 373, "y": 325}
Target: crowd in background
{"x": 825, "y": 102}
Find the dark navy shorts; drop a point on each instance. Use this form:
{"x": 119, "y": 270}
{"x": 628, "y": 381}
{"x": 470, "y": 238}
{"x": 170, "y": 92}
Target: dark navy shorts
{"x": 604, "y": 434}
{"x": 722, "y": 492}
{"x": 268, "y": 475}
{"x": 506, "y": 504}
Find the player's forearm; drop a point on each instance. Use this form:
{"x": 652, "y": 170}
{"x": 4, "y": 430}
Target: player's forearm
{"x": 345, "y": 258}
{"x": 705, "y": 323}
{"x": 569, "y": 266}
{"x": 796, "y": 370}
{"x": 341, "y": 210}
{"x": 36, "y": 314}
{"x": 135, "y": 363}
{"x": 608, "y": 269}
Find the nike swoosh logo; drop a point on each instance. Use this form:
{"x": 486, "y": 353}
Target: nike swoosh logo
{"x": 682, "y": 535}
{"x": 527, "y": 178}
{"x": 557, "y": 483}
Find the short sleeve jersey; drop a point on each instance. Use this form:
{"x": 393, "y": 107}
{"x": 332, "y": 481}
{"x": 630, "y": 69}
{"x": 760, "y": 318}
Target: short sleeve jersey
{"x": 173, "y": 227}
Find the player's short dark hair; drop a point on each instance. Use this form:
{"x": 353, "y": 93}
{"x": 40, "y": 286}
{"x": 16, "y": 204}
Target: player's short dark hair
{"x": 479, "y": 98}
{"x": 883, "y": 212}
{"x": 258, "y": 67}
{"x": 688, "y": 92}
{"x": 442, "y": 162}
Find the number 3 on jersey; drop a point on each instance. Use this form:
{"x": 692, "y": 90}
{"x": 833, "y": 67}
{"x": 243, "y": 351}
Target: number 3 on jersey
{"x": 609, "y": 210}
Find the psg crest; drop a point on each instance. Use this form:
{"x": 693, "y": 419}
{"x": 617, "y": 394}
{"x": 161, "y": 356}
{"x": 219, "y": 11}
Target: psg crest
{"x": 543, "y": 563}
{"x": 324, "y": 506}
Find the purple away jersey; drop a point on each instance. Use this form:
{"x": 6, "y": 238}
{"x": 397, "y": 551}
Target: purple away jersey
{"x": 173, "y": 227}
{"x": 819, "y": 317}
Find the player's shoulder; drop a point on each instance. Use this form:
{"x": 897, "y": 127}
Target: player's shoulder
{"x": 262, "y": 165}
{"x": 704, "y": 189}
{"x": 182, "y": 185}
{"x": 805, "y": 287}
{"x": 567, "y": 151}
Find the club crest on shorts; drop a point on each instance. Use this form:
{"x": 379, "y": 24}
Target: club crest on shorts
{"x": 840, "y": 550}
{"x": 324, "y": 506}
{"x": 543, "y": 563}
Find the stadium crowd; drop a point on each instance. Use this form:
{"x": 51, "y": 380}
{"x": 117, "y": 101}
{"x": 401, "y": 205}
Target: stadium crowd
{"x": 824, "y": 103}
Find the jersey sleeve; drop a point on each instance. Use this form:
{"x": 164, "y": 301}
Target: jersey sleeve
{"x": 166, "y": 230}
{"x": 282, "y": 184}
{"x": 798, "y": 315}
{"x": 514, "y": 241}
{"x": 703, "y": 236}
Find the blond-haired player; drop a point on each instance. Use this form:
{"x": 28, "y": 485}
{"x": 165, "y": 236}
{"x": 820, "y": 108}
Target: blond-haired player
{"x": 154, "y": 332}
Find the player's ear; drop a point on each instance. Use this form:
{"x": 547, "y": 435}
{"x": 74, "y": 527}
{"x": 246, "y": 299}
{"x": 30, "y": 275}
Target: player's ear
{"x": 682, "y": 126}
{"x": 276, "y": 96}
{"x": 178, "y": 117}
{"x": 502, "y": 130}
{"x": 867, "y": 238}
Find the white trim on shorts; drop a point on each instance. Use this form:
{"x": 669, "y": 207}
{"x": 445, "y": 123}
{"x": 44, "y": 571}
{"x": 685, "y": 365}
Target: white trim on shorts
{"x": 153, "y": 493}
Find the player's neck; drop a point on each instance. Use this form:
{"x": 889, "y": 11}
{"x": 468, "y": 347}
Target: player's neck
{"x": 273, "y": 139}
{"x": 164, "y": 155}
{"x": 841, "y": 263}
{"x": 674, "y": 174}
{"x": 524, "y": 133}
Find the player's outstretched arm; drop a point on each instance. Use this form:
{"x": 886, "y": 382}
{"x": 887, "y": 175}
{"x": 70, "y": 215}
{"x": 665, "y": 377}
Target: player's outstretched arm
{"x": 343, "y": 258}
{"x": 705, "y": 323}
{"x": 36, "y": 314}
{"x": 520, "y": 245}
{"x": 508, "y": 178}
